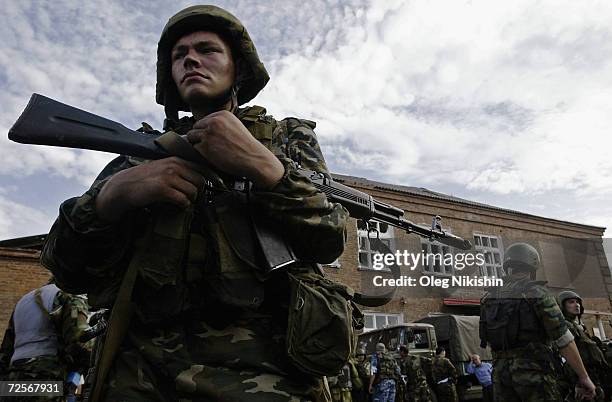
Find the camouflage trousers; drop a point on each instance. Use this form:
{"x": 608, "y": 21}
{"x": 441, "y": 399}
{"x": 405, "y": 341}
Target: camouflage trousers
{"x": 413, "y": 393}
{"x": 341, "y": 395}
{"x": 191, "y": 360}
{"x": 44, "y": 368}
{"x": 384, "y": 391}
{"x": 524, "y": 380}
{"x": 446, "y": 392}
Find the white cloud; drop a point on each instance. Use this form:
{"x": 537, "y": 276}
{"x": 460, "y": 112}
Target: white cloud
{"x": 511, "y": 95}
{"x": 495, "y": 97}
{"x": 18, "y": 220}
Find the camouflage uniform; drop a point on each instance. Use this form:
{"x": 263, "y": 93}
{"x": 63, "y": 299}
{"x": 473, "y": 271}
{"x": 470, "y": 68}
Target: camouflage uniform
{"x": 443, "y": 369}
{"x": 523, "y": 362}
{"x": 211, "y": 330}
{"x": 69, "y": 317}
{"x": 209, "y": 323}
{"x": 363, "y": 371}
{"x": 415, "y": 388}
{"x": 592, "y": 356}
{"x": 387, "y": 374}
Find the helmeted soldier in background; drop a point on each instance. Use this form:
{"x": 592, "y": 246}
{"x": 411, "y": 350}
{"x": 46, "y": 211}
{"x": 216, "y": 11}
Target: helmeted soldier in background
{"x": 593, "y": 358}
{"x": 445, "y": 377}
{"x": 520, "y": 320}
{"x": 42, "y": 340}
{"x": 179, "y": 250}
{"x": 413, "y": 386}
{"x": 385, "y": 373}
{"x": 362, "y": 365}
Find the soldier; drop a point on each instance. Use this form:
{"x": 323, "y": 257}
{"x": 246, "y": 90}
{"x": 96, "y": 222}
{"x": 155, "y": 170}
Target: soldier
{"x": 342, "y": 385}
{"x": 384, "y": 375}
{"x": 520, "y": 321}
{"x": 592, "y": 356}
{"x": 414, "y": 381}
{"x": 363, "y": 371}
{"x": 179, "y": 250}
{"x": 42, "y": 338}
{"x": 445, "y": 377}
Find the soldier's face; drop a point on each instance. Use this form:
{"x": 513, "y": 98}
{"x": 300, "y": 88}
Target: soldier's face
{"x": 202, "y": 67}
{"x": 572, "y": 306}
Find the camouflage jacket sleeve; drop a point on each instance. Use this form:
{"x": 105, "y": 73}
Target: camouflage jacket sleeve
{"x": 549, "y": 313}
{"x": 81, "y": 250}
{"x": 72, "y": 324}
{"x": 6, "y": 349}
{"x": 316, "y": 227}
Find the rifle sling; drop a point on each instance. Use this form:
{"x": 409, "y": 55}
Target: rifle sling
{"x": 117, "y": 328}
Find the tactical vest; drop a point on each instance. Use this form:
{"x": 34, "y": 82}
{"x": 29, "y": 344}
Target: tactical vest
{"x": 591, "y": 355}
{"x": 208, "y": 260}
{"x": 363, "y": 370}
{"x": 188, "y": 258}
{"x": 509, "y": 318}
{"x": 35, "y": 332}
{"x": 387, "y": 367}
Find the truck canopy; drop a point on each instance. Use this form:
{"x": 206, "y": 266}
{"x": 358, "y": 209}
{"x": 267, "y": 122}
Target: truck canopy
{"x": 461, "y": 335}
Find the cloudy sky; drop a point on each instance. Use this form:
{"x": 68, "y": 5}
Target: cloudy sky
{"x": 506, "y": 103}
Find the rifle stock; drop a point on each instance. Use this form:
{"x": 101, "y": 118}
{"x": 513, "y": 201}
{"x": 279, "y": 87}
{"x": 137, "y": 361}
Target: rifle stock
{"x": 45, "y": 121}
{"x": 48, "y": 122}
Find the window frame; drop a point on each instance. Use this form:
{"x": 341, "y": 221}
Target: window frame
{"x": 388, "y": 235}
{"x": 485, "y": 269}
{"x": 374, "y": 314}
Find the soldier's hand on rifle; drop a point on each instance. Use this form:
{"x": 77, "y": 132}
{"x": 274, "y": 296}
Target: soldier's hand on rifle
{"x": 585, "y": 389}
{"x": 226, "y": 143}
{"x": 170, "y": 180}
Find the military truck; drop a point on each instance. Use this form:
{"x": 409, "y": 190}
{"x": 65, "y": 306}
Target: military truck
{"x": 459, "y": 336}
{"x": 419, "y": 337}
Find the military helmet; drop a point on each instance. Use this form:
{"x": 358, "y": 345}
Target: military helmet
{"x": 251, "y": 73}
{"x": 380, "y": 347}
{"x": 569, "y": 294}
{"x": 522, "y": 256}
{"x": 360, "y": 352}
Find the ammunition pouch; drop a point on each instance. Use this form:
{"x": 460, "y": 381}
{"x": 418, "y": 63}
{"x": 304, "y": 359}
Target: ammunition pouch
{"x": 321, "y": 323}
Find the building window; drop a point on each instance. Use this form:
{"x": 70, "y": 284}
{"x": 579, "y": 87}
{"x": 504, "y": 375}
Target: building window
{"x": 381, "y": 320}
{"x": 366, "y": 248}
{"x": 435, "y": 258}
{"x": 490, "y": 247}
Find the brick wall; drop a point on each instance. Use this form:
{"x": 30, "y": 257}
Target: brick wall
{"x": 20, "y": 272}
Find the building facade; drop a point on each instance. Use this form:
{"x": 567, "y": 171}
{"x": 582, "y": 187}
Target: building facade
{"x": 572, "y": 256}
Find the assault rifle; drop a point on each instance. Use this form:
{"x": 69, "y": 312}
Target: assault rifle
{"x": 45, "y": 121}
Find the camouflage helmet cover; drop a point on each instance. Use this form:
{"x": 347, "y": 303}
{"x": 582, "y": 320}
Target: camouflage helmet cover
{"x": 569, "y": 294}
{"x": 213, "y": 19}
{"x": 522, "y": 256}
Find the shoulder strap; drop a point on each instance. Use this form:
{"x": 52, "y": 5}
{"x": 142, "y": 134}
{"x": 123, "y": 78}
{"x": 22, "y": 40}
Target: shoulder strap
{"x": 260, "y": 125}
{"x": 117, "y": 328}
